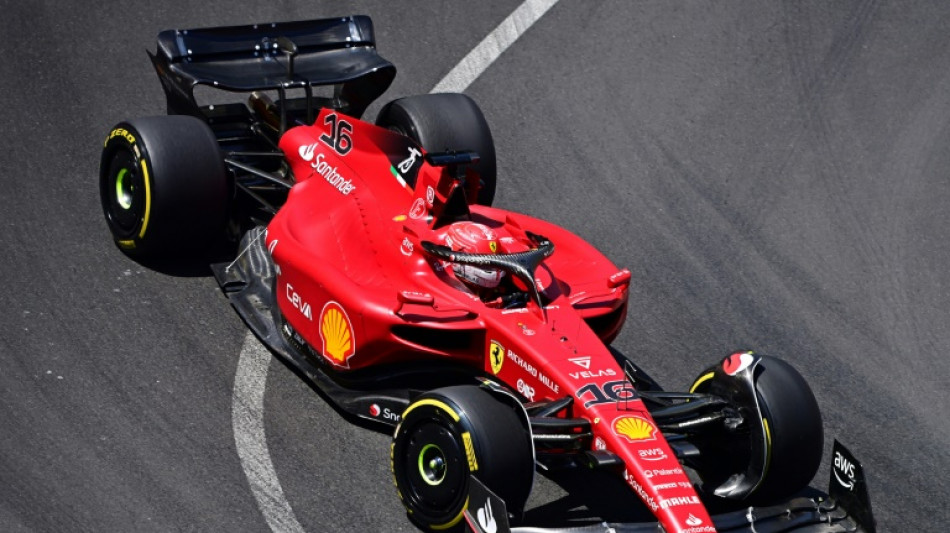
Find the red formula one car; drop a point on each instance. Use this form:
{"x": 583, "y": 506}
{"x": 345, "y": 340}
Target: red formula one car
{"x": 370, "y": 258}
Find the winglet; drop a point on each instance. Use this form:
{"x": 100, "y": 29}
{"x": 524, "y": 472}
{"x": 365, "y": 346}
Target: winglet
{"x": 489, "y": 515}
{"x": 848, "y": 487}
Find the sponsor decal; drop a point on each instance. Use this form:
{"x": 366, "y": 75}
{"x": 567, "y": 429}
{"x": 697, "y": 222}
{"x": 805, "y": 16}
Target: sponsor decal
{"x": 526, "y": 330}
{"x": 652, "y": 454}
{"x": 336, "y": 331}
{"x": 496, "y": 356}
{"x": 676, "y": 502}
{"x": 418, "y": 209}
{"x": 298, "y": 302}
{"x": 493, "y": 246}
{"x": 470, "y": 451}
{"x": 673, "y": 485}
{"x": 430, "y": 195}
{"x": 647, "y": 499}
{"x": 663, "y": 472}
{"x": 583, "y": 362}
{"x": 385, "y": 412}
{"x": 634, "y": 428}
{"x": 406, "y": 164}
{"x": 844, "y": 471}
{"x": 737, "y": 362}
{"x": 486, "y": 519}
{"x": 329, "y": 173}
{"x": 599, "y": 444}
{"x": 607, "y": 372}
{"x": 535, "y": 373}
{"x": 120, "y": 132}
{"x": 406, "y": 247}
{"x": 306, "y": 151}
{"x": 696, "y": 525}
{"x": 526, "y": 390}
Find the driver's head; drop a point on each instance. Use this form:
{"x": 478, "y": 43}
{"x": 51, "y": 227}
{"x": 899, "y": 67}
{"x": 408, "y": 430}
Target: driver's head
{"x": 473, "y": 238}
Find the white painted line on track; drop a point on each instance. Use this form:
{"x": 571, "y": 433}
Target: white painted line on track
{"x": 250, "y": 380}
{"x": 247, "y": 419}
{"x": 482, "y": 56}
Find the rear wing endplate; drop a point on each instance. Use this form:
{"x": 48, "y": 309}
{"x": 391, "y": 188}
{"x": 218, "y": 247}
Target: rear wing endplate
{"x": 339, "y": 51}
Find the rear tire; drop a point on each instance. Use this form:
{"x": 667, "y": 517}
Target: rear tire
{"x": 442, "y": 122}
{"x": 448, "y": 435}
{"x": 796, "y": 435}
{"x": 163, "y": 186}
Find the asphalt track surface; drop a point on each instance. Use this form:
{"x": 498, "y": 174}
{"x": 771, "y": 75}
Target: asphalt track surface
{"x": 774, "y": 174}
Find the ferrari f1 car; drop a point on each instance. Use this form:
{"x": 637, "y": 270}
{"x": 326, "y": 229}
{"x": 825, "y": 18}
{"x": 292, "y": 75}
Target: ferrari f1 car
{"x": 369, "y": 257}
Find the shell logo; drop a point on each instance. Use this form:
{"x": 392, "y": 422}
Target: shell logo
{"x": 634, "y": 428}
{"x": 336, "y": 331}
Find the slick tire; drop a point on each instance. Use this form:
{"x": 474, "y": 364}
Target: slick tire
{"x": 163, "y": 186}
{"x": 447, "y": 436}
{"x": 795, "y": 432}
{"x": 444, "y": 122}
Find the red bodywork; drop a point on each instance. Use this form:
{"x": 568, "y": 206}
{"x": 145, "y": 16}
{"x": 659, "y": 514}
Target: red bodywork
{"x": 354, "y": 282}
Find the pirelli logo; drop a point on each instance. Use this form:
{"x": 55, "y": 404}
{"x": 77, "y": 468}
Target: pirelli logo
{"x": 470, "y": 451}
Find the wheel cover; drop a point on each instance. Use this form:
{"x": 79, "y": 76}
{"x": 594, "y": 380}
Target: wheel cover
{"x": 436, "y": 471}
{"x": 124, "y": 195}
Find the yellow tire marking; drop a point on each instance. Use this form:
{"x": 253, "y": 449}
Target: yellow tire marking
{"x": 148, "y": 199}
{"x": 439, "y": 527}
{"x": 470, "y": 451}
{"x": 435, "y": 403}
{"x": 701, "y": 380}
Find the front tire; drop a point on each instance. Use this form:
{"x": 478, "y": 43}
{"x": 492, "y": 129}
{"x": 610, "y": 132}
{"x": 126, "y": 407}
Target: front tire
{"x": 447, "y": 121}
{"x": 448, "y": 435}
{"x": 793, "y": 429}
{"x": 163, "y": 185}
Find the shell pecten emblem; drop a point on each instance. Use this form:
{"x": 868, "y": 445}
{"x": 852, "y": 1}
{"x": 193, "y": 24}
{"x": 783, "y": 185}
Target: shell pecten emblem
{"x": 634, "y": 428}
{"x": 336, "y": 331}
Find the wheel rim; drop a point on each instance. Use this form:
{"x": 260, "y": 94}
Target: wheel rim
{"x": 436, "y": 469}
{"x": 124, "y": 195}
{"x": 123, "y": 189}
{"x": 432, "y": 466}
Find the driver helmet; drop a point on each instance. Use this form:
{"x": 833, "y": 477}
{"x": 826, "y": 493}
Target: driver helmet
{"x": 474, "y": 238}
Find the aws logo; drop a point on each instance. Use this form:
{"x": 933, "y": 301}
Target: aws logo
{"x": 336, "y": 331}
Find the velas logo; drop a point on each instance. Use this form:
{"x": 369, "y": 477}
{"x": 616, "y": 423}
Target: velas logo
{"x": 583, "y": 362}
{"x": 336, "y": 331}
{"x": 737, "y": 362}
{"x": 634, "y": 428}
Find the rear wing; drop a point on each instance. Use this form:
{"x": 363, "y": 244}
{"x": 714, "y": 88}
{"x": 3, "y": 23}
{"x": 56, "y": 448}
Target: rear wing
{"x": 274, "y": 56}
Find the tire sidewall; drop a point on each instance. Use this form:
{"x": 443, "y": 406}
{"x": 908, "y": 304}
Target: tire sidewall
{"x": 497, "y": 448}
{"x": 187, "y": 187}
